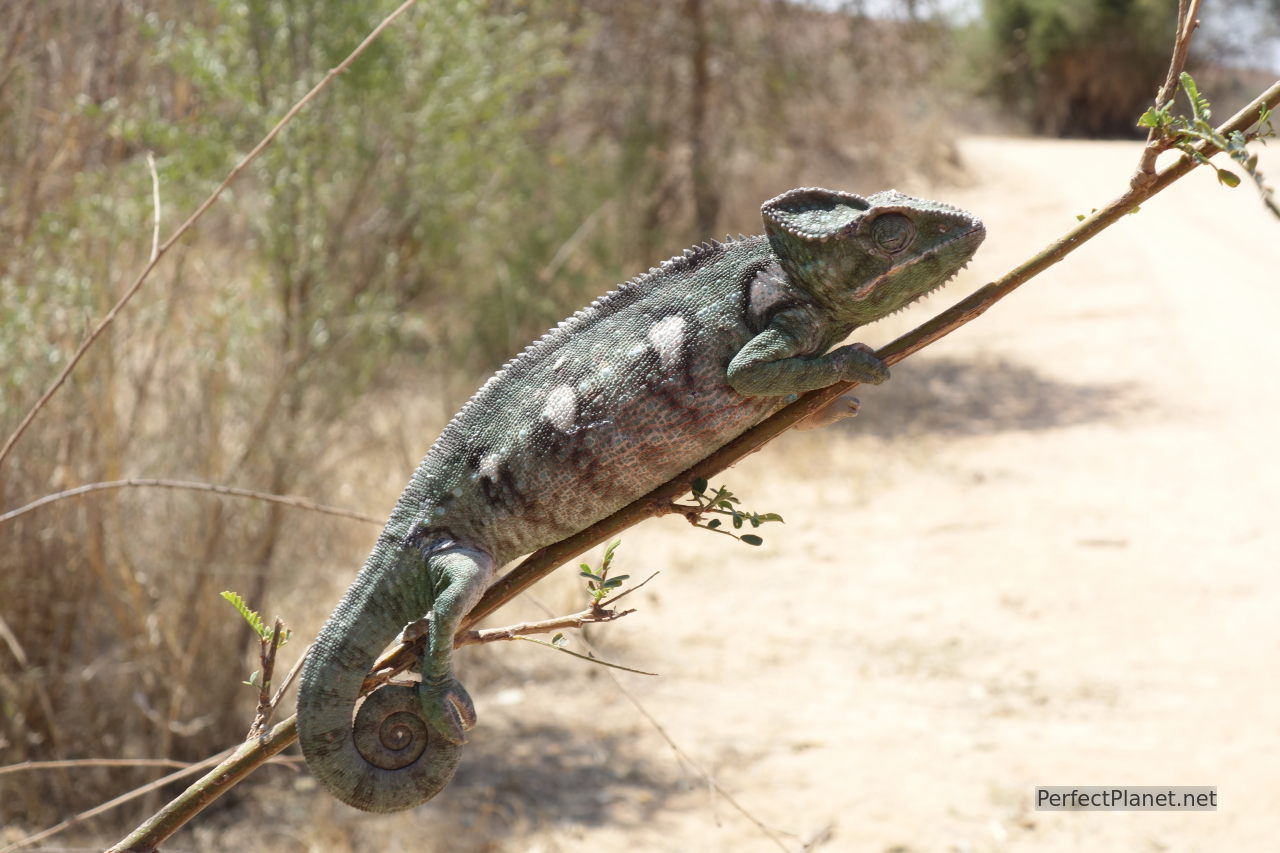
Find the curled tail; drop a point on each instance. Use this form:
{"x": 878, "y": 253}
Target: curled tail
{"x": 403, "y": 744}
{"x": 387, "y": 756}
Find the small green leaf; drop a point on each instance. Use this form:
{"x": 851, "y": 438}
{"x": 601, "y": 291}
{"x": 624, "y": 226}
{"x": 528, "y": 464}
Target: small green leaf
{"x": 250, "y": 616}
{"x": 752, "y": 539}
{"x": 558, "y": 640}
{"x": 699, "y": 485}
{"x": 713, "y": 524}
{"x": 737, "y": 521}
{"x": 255, "y": 679}
{"x": 1226, "y": 178}
{"x": 611, "y": 583}
{"x": 1154, "y": 118}
{"x": 770, "y": 516}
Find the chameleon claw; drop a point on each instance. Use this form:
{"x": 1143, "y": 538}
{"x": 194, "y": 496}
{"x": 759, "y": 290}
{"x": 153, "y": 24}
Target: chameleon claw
{"x": 859, "y": 364}
{"x": 448, "y": 708}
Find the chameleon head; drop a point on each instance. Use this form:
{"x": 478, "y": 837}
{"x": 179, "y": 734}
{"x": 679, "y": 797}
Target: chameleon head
{"x": 867, "y": 257}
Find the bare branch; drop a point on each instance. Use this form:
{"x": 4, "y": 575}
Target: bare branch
{"x": 614, "y": 599}
{"x": 288, "y": 679}
{"x": 589, "y": 616}
{"x": 191, "y": 486}
{"x": 591, "y": 658}
{"x": 266, "y": 703}
{"x": 190, "y": 221}
{"x": 155, "y": 207}
{"x": 92, "y": 762}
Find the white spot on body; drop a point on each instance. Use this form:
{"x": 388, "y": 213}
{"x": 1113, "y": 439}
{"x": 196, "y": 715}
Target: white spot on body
{"x": 667, "y": 338}
{"x": 561, "y": 408}
{"x": 489, "y": 466}
{"x": 767, "y": 290}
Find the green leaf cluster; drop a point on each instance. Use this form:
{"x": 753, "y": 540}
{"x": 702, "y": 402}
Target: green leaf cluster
{"x": 254, "y": 619}
{"x": 1078, "y": 68}
{"x": 599, "y": 584}
{"x": 1190, "y": 134}
{"x": 721, "y": 501}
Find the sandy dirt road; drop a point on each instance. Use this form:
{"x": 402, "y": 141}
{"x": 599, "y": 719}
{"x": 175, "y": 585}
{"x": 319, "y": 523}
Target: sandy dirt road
{"x": 1046, "y": 553}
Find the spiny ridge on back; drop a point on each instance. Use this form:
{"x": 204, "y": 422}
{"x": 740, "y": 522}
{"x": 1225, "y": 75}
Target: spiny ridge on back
{"x": 690, "y": 259}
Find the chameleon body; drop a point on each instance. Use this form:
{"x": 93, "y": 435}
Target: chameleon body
{"x": 609, "y": 404}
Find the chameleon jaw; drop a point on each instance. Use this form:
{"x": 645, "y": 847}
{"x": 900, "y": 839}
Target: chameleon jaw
{"x": 974, "y": 235}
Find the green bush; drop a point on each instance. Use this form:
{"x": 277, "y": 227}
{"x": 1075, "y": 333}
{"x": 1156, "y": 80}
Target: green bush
{"x": 1077, "y": 67}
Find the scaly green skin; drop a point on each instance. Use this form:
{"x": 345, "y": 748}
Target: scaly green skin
{"x": 614, "y": 401}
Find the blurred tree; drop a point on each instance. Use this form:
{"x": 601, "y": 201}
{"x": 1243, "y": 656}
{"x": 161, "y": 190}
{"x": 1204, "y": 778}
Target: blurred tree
{"x": 1078, "y": 68}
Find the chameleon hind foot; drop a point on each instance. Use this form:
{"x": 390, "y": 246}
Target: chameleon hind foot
{"x": 844, "y": 406}
{"x": 447, "y": 706}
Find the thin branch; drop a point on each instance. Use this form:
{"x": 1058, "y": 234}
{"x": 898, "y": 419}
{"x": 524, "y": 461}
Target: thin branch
{"x": 11, "y": 640}
{"x": 77, "y": 763}
{"x": 165, "y": 822}
{"x": 191, "y": 486}
{"x": 614, "y": 599}
{"x": 588, "y": 658}
{"x": 155, "y": 207}
{"x": 288, "y": 679}
{"x": 266, "y": 702}
{"x": 590, "y": 616}
{"x": 191, "y": 220}
{"x": 1186, "y": 27}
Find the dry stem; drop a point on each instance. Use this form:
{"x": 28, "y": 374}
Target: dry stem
{"x": 190, "y": 486}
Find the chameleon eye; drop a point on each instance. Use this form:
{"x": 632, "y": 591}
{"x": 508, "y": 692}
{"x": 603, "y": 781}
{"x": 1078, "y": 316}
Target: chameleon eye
{"x": 892, "y": 232}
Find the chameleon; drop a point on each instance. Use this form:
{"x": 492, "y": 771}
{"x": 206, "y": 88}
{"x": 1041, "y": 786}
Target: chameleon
{"x": 614, "y": 401}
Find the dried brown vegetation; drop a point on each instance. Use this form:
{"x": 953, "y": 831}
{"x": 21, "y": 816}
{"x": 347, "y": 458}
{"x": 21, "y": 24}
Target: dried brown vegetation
{"x": 473, "y": 179}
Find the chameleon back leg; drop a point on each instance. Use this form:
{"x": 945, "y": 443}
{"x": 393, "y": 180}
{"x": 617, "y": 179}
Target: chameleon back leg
{"x": 403, "y": 744}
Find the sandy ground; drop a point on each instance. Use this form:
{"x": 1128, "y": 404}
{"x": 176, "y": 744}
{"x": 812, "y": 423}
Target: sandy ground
{"x": 1044, "y": 554}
